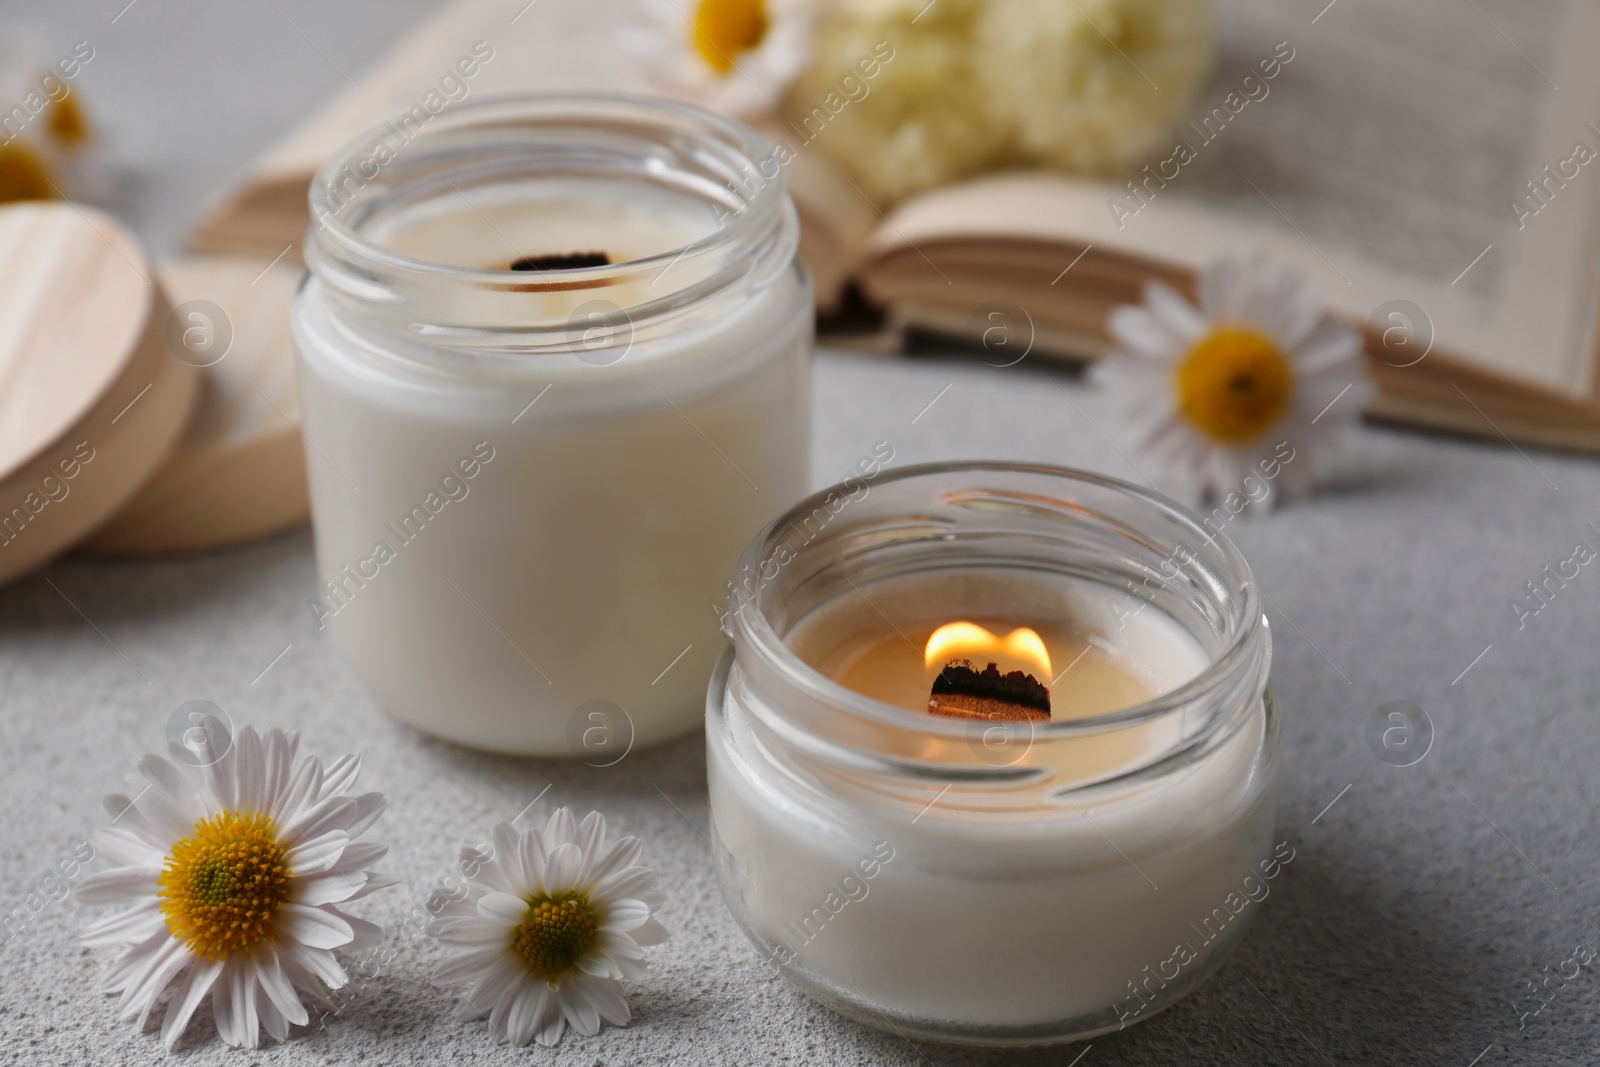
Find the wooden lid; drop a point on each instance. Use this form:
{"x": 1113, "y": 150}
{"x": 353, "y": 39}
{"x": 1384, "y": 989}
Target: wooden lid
{"x": 239, "y": 470}
{"x": 91, "y": 401}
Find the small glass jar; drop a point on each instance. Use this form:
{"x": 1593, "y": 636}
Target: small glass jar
{"x": 999, "y": 883}
{"x": 554, "y": 358}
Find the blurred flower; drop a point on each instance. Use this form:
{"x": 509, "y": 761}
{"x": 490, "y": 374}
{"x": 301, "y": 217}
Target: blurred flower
{"x": 1236, "y": 388}
{"x": 732, "y": 56}
{"x": 1091, "y": 85}
{"x": 549, "y": 926}
{"x": 234, "y": 861}
{"x": 49, "y": 149}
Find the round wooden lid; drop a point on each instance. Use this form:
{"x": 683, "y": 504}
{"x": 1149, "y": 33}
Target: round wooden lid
{"x": 91, "y": 400}
{"x": 239, "y": 470}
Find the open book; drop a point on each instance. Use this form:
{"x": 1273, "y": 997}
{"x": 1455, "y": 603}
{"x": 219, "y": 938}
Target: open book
{"x": 1434, "y": 167}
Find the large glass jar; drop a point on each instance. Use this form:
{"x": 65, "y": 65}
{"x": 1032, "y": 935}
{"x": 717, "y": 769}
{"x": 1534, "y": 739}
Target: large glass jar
{"x": 981, "y": 881}
{"x": 554, "y": 370}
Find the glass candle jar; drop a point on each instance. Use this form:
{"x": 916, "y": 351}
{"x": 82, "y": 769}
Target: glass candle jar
{"x": 554, "y": 369}
{"x": 978, "y": 880}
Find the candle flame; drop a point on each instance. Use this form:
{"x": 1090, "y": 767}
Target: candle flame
{"x": 1020, "y": 649}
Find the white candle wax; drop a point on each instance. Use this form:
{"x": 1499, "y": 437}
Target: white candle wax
{"x": 975, "y": 921}
{"x": 519, "y": 549}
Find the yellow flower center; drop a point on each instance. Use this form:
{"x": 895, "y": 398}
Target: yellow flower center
{"x": 221, "y": 888}
{"x": 725, "y": 28}
{"x": 23, "y": 175}
{"x": 67, "y": 122}
{"x": 556, "y": 932}
{"x": 1234, "y": 384}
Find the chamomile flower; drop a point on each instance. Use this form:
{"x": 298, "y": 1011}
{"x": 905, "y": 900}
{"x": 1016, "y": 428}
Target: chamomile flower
{"x": 49, "y": 148}
{"x": 731, "y": 56}
{"x": 1258, "y": 382}
{"x": 234, "y": 858}
{"x": 548, "y": 926}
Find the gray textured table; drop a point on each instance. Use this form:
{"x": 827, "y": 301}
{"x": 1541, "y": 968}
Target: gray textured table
{"x": 1423, "y": 900}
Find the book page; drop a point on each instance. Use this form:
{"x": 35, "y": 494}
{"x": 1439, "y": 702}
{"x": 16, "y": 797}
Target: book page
{"x": 1398, "y": 132}
{"x": 1396, "y": 146}
{"x": 1382, "y": 157}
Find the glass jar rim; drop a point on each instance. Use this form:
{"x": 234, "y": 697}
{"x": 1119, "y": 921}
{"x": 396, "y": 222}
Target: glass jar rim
{"x": 347, "y": 188}
{"x": 751, "y": 628}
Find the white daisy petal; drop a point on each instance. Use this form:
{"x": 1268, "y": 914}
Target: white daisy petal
{"x": 561, "y": 869}
{"x": 119, "y": 885}
{"x": 506, "y": 842}
{"x": 600, "y": 965}
{"x": 1201, "y": 439}
{"x": 362, "y": 854}
{"x": 250, "y": 775}
{"x": 650, "y": 933}
{"x": 560, "y": 830}
{"x": 659, "y": 43}
{"x": 1175, "y": 314}
{"x": 575, "y": 1005}
{"x": 131, "y": 967}
{"x": 375, "y": 882}
{"x": 170, "y": 818}
{"x": 316, "y": 927}
{"x": 552, "y": 1023}
{"x": 1299, "y": 318}
{"x": 1222, "y": 291}
{"x": 502, "y": 908}
{"x": 523, "y": 1001}
{"x": 628, "y": 882}
{"x": 318, "y": 854}
{"x": 527, "y": 1012}
{"x": 206, "y": 743}
{"x": 531, "y": 853}
{"x": 272, "y": 1020}
{"x": 624, "y": 852}
{"x": 126, "y": 816}
{"x": 341, "y": 775}
{"x": 1331, "y": 343}
{"x": 365, "y": 934}
{"x": 627, "y": 915}
{"x": 467, "y": 966}
{"x": 319, "y": 963}
{"x": 135, "y": 924}
{"x": 163, "y": 775}
{"x": 307, "y": 982}
{"x": 124, "y": 848}
{"x": 260, "y": 794}
{"x": 163, "y": 966}
{"x": 279, "y": 749}
{"x": 590, "y": 837}
{"x": 222, "y": 1008}
{"x": 242, "y": 991}
{"x": 369, "y": 807}
{"x": 476, "y": 931}
{"x": 500, "y": 1011}
{"x": 479, "y": 865}
{"x": 276, "y": 985}
{"x": 619, "y": 943}
{"x": 216, "y": 757}
{"x": 609, "y": 1002}
{"x": 329, "y": 887}
{"x": 300, "y": 792}
{"x": 330, "y": 813}
{"x": 188, "y": 997}
{"x": 1141, "y": 334}
{"x": 497, "y": 976}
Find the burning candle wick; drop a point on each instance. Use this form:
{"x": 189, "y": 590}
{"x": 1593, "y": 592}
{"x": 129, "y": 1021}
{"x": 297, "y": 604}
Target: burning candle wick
{"x": 561, "y": 261}
{"x": 963, "y": 691}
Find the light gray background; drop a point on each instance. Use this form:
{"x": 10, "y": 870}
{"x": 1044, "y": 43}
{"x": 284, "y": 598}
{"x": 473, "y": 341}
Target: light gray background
{"x": 1417, "y": 910}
